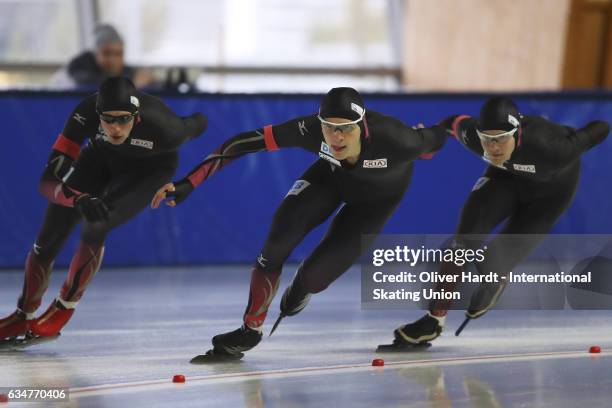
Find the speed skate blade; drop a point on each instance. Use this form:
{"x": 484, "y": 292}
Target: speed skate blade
{"x": 402, "y": 348}
{"x": 276, "y": 324}
{"x": 212, "y": 357}
{"x": 25, "y": 342}
{"x": 460, "y": 329}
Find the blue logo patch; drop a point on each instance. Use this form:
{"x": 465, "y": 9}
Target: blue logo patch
{"x": 325, "y": 148}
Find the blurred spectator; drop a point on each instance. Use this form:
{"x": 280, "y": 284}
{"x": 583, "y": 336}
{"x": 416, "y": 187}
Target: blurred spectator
{"x": 91, "y": 67}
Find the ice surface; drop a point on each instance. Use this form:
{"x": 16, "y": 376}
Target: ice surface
{"x": 136, "y": 328}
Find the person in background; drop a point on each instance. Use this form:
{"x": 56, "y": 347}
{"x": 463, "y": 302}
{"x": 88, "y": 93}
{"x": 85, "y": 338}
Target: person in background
{"x": 91, "y": 67}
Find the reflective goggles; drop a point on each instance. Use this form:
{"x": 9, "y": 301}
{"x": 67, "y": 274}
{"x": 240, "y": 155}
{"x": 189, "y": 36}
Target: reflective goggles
{"x": 122, "y": 119}
{"x": 499, "y": 138}
{"x": 345, "y": 127}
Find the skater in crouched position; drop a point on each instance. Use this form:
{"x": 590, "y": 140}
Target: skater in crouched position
{"x": 132, "y": 150}
{"x": 531, "y": 179}
{"x": 365, "y": 163}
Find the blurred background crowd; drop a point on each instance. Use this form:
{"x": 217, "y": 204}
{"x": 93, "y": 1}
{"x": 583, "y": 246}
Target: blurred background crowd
{"x": 309, "y": 45}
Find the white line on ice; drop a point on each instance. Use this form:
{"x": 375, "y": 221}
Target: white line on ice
{"x": 150, "y": 385}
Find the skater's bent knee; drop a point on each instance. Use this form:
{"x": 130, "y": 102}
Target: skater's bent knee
{"x": 313, "y": 285}
{"x": 95, "y": 233}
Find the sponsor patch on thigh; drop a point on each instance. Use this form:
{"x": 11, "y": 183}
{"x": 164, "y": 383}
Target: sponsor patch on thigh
{"x": 479, "y": 183}
{"x": 298, "y": 187}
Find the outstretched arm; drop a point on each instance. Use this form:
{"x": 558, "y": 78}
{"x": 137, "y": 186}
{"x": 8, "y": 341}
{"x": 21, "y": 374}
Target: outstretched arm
{"x": 233, "y": 148}
{"x": 176, "y": 129}
{"x": 570, "y": 143}
{"x": 418, "y": 141}
{"x": 302, "y": 132}
{"x": 463, "y": 129}
{"x": 237, "y": 146}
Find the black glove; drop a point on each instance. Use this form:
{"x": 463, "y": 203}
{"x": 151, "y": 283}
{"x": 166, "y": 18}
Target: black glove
{"x": 182, "y": 189}
{"x": 447, "y": 123}
{"x": 93, "y": 209}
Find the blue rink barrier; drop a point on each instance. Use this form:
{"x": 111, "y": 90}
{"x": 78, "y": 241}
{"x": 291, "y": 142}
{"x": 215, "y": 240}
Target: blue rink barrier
{"x": 226, "y": 220}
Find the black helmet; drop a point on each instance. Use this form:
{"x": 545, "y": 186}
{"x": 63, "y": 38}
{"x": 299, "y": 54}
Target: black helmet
{"x": 117, "y": 94}
{"x": 345, "y": 103}
{"x": 499, "y": 113}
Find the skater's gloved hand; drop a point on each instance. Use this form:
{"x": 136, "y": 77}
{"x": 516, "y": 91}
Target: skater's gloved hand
{"x": 93, "y": 209}
{"x": 175, "y": 193}
{"x": 424, "y": 156}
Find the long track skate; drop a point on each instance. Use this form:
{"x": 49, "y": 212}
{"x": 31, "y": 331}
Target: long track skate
{"x": 23, "y": 342}
{"x": 215, "y": 357}
{"x": 397, "y": 347}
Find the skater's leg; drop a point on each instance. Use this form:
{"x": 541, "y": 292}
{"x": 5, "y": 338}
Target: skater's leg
{"x": 340, "y": 247}
{"x": 310, "y": 202}
{"x": 539, "y": 207}
{"x": 295, "y": 218}
{"x": 520, "y": 236}
{"x": 338, "y": 250}
{"x": 57, "y": 225}
{"x": 126, "y": 196}
{"x": 343, "y": 243}
{"x": 494, "y": 198}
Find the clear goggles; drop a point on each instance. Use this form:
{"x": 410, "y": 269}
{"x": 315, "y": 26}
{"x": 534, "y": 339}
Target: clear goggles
{"x": 345, "y": 127}
{"x": 122, "y": 119}
{"x": 499, "y": 138}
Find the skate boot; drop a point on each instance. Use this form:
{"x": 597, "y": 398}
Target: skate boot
{"x": 237, "y": 341}
{"x": 14, "y": 325}
{"x": 53, "y": 320}
{"x": 415, "y": 335}
{"x": 423, "y": 330}
{"x": 15, "y": 332}
{"x": 294, "y": 300}
{"x": 230, "y": 346}
{"x": 483, "y": 299}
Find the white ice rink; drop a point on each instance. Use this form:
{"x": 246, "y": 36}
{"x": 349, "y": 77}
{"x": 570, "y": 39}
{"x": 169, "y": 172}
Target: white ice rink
{"x": 136, "y": 328}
